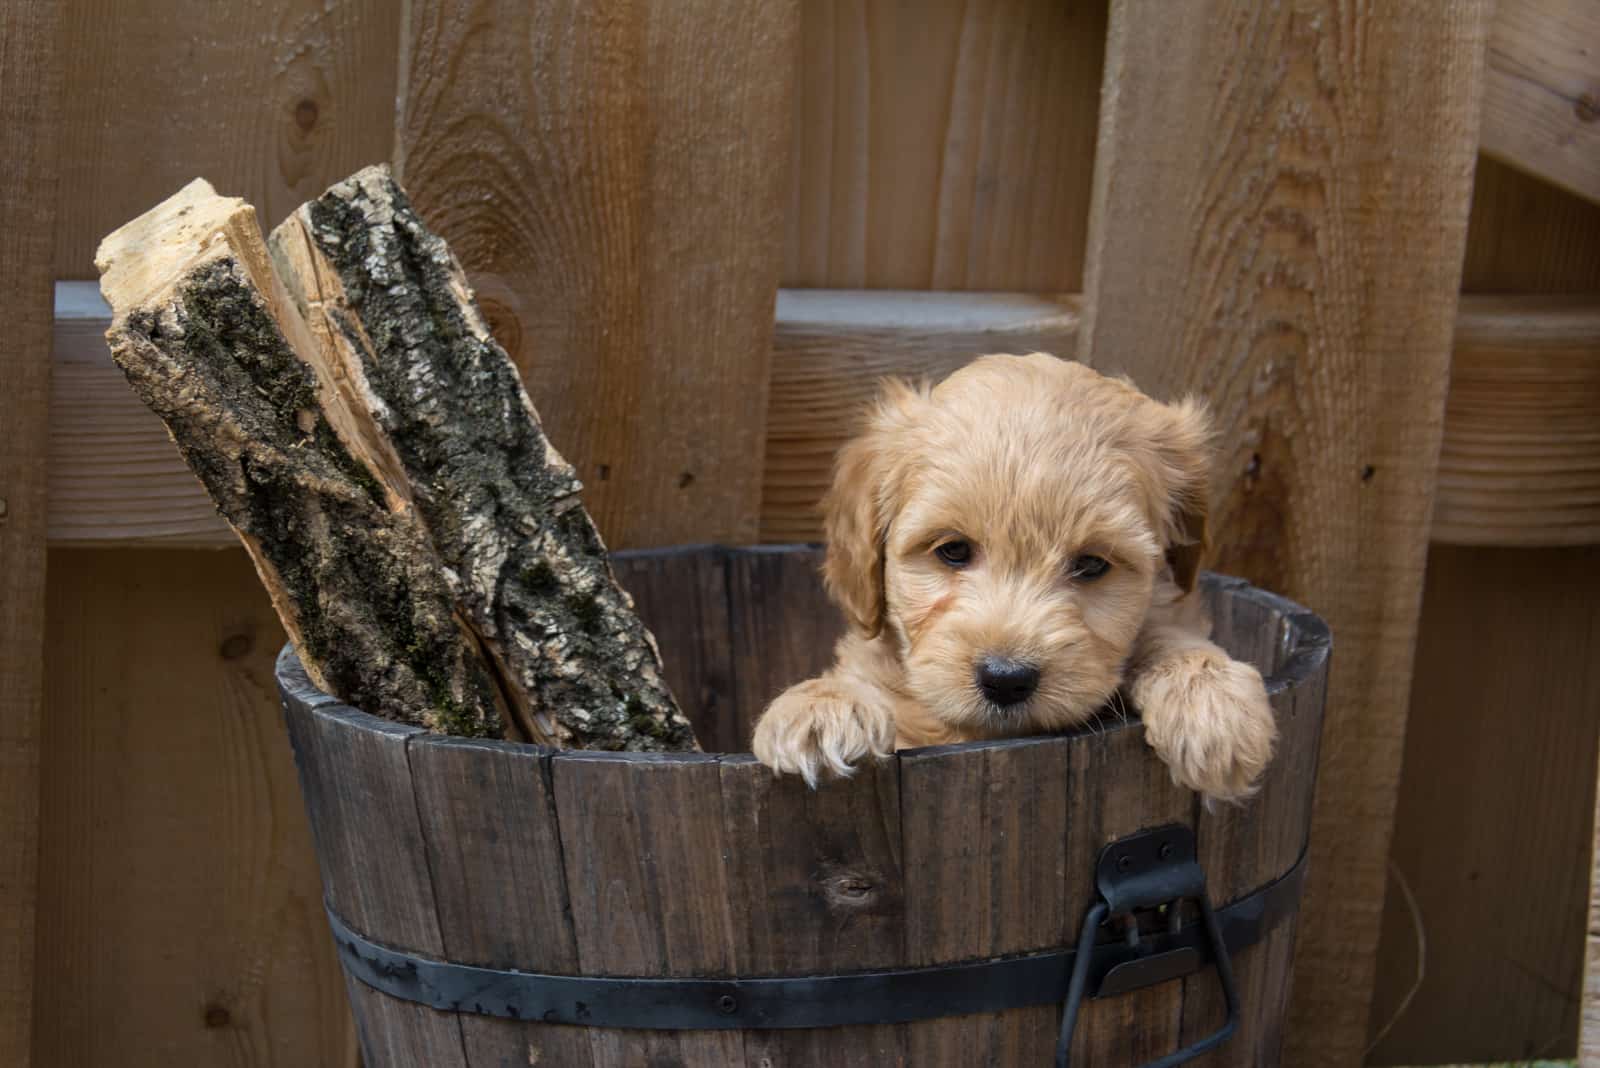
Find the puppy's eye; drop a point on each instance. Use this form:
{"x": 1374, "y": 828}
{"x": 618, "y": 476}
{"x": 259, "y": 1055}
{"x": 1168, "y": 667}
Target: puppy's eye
{"x": 956, "y": 553}
{"x": 1088, "y": 568}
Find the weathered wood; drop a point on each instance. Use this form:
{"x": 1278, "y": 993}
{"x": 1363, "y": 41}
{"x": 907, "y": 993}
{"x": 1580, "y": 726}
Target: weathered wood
{"x": 1117, "y": 790}
{"x": 683, "y": 600}
{"x": 274, "y": 101}
{"x": 527, "y": 569}
{"x": 783, "y": 628}
{"x": 30, "y": 97}
{"x": 830, "y": 349}
{"x": 488, "y": 820}
{"x": 114, "y": 477}
{"x": 359, "y": 795}
{"x": 702, "y": 865}
{"x": 944, "y": 145}
{"x": 1505, "y": 695}
{"x": 1509, "y": 474}
{"x": 178, "y": 888}
{"x": 1589, "y": 1028}
{"x": 1527, "y": 236}
{"x": 991, "y": 869}
{"x": 1540, "y": 98}
{"x": 621, "y": 216}
{"x": 1520, "y": 461}
{"x": 1245, "y": 846}
{"x": 1241, "y": 247}
{"x": 643, "y": 842}
{"x": 818, "y": 888}
{"x": 209, "y": 340}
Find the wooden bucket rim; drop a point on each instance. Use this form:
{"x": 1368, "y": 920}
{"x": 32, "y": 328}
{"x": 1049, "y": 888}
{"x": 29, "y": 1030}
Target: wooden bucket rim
{"x": 1306, "y": 639}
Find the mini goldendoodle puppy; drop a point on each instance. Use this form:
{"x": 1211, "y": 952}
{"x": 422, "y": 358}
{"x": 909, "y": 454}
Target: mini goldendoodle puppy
{"x": 1011, "y": 547}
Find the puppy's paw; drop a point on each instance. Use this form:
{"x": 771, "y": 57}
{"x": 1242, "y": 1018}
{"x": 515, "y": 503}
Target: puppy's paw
{"x": 820, "y": 726}
{"x": 1208, "y": 717}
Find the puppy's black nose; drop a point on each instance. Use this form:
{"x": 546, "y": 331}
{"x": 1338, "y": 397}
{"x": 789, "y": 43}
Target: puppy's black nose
{"x": 1005, "y": 681}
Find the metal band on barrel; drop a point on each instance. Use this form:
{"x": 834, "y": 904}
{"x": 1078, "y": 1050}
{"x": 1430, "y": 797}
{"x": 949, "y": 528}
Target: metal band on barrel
{"x": 891, "y": 996}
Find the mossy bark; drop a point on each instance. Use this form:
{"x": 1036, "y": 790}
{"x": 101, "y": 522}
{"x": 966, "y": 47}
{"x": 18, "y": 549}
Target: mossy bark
{"x": 348, "y": 563}
{"x": 524, "y": 560}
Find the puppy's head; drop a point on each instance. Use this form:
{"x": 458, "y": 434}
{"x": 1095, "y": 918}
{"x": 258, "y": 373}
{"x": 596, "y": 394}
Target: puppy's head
{"x": 1006, "y": 532}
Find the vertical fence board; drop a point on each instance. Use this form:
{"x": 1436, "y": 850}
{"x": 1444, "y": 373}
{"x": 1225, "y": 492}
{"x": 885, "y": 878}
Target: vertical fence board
{"x": 272, "y": 102}
{"x": 1526, "y": 236}
{"x": 1280, "y": 211}
{"x": 178, "y": 889}
{"x": 30, "y": 88}
{"x": 1494, "y": 824}
{"x": 613, "y": 180}
{"x": 944, "y": 145}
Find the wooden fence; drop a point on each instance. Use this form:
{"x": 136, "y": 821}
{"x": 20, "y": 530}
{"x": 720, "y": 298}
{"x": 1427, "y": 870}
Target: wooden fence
{"x": 1275, "y": 205}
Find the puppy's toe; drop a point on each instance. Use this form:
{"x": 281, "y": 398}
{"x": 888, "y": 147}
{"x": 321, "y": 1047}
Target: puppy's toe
{"x": 1207, "y": 715}
{"x": 818, "y": 727}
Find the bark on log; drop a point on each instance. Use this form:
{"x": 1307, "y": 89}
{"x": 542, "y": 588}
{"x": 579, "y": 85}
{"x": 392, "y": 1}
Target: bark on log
{"x": 345, "y": 406}
{"x": 211, "y": 342}
{"x": 525, "y": 562}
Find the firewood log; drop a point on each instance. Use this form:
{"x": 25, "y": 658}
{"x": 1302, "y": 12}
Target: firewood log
{"x": 527, "y": 565}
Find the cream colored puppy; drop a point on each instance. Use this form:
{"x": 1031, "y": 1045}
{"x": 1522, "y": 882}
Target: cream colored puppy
{"x": 1011, "y": 547}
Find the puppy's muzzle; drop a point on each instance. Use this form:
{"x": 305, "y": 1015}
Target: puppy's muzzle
{"x": 1005, "y": 681}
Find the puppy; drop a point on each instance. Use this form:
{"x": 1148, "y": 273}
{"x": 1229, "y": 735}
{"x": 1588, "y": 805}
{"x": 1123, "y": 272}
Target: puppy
{"x": 1011, "y": 547}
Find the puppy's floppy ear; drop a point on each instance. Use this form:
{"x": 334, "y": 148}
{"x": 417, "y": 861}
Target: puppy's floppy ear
{"x": 861, "y": 502}
{"x": 1183, "y": 456}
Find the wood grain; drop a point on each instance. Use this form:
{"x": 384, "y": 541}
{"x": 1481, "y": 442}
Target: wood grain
{"x": 1244, "y": 247}
{"x": 644, "y": 843}
{"x": 115, "y": 477}
{"x": 618, "y": 200}
{"x": 783, "y": 628}
{"x": 993, "y": 869}
{"x": 1520, "y": 462}
{"x": 1242, "y": 847}
{"x": 30, "y": 99}
{"x": 684, "y": 603}
{"x": 708, "y": 865}
{"x": 1493, "y": 830}
{"x": 817, "y": 880}
{"x": 179, "y": 891}
{"x": 944, "y": 145}
{"x": 370, "y": 846}
{"x": 1527, "y": 236}
{"x": 1589, "y": 1023}
{"x": 271, "y": 102}
{"x": 488, "y": 818}
{"x": 831, "y": 347}
{"x": 1541, "y": 98}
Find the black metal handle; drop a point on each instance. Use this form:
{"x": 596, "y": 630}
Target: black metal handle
{"x": 1143, "y": 871}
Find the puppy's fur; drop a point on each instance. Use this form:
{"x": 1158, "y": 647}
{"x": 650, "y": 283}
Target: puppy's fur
{"x": 1037, "y": 464}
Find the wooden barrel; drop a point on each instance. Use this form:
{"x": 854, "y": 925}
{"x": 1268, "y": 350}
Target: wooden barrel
{"x": 440, "y": 852}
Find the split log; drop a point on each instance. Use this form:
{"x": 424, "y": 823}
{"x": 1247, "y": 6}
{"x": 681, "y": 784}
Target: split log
{"x": 527, "y": 567}
{"x": 209, "y": 340}
{"x": 343, "y": 403}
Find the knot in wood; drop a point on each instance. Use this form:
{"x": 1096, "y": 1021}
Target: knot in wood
{"x": 847, "y": 888}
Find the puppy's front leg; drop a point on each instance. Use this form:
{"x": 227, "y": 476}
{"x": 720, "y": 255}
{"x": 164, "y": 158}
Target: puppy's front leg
{"x": 1205, "y": 713}
{"x": 830, "y": 722}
